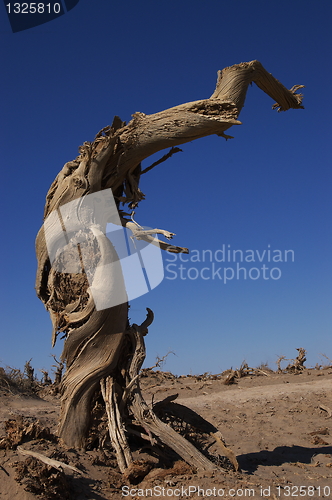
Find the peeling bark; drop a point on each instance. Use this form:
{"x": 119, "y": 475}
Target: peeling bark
{"x": 100, "y": 346}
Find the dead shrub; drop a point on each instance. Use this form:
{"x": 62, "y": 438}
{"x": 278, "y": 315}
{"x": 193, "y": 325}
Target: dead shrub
{"x": 15, "y": 381}
{"x": 43, "y": 480}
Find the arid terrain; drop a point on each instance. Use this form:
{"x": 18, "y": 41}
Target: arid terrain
{"x": 279, "y": 426}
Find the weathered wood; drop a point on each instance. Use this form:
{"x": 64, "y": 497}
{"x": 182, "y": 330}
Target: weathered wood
{"x": 149, "y": 420}
{"x": 115, "y": 424}
{"x": 48, "y": 461}
{"x": 191, "y": 417}
{"x": 96, "y": 341}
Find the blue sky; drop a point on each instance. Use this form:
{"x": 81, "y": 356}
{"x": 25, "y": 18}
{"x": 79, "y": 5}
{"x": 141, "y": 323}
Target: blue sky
{"x": 268, "y": 188}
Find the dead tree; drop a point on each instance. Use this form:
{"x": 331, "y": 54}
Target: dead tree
{"x": 29, "y": 372}
{"x": 101, "y": 348}
{"x": 46, "y": 380}
{"x": 297, "y": 365}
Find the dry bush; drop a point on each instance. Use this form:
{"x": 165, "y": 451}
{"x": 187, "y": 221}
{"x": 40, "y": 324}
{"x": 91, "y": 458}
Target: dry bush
{"x": 329, "y": 362}
{"x": 15, "y": 381}
{"x": 245, "y": 371}
{"x": 296, "y": 365}
{"x": 42, "y": 480}
{"x": 264, "y": 367}
{"x": 21, "y": 429}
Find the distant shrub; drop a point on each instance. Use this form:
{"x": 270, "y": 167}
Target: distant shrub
{"x": 15, "y": 381}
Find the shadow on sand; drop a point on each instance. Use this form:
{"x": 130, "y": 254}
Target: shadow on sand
{"x": 280, "y": 455}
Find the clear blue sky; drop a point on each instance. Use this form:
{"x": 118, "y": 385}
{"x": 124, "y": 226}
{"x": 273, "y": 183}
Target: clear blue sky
{"x": 270, "y": 185}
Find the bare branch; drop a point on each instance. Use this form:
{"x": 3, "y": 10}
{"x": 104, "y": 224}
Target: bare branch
{"x": 162, "y": 159}
{"x": 49, "y": 461}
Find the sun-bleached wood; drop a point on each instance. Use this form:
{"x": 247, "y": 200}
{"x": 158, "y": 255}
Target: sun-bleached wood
{"x": 98, "y": 344}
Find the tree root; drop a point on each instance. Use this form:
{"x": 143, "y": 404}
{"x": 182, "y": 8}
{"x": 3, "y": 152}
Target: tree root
{"x": 129, "y": 407}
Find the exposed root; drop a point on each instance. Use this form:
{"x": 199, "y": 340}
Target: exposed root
{"x": 130, "y": 413}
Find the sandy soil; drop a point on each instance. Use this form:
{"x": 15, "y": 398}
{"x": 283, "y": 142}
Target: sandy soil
{"x": 279, "y": 426}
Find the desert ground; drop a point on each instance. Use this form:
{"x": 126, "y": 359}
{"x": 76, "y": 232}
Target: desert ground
{"x": 279, "y": 425}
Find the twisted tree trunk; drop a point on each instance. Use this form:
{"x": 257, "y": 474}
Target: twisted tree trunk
{"x": 101, "y": 349}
